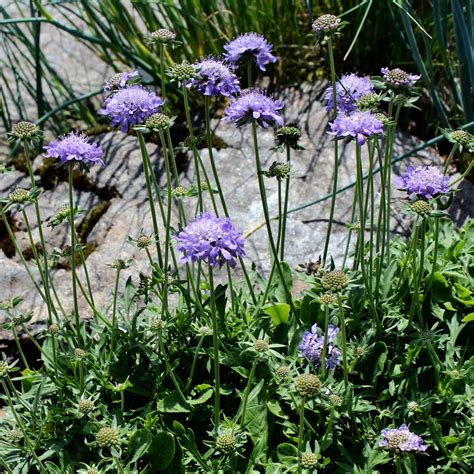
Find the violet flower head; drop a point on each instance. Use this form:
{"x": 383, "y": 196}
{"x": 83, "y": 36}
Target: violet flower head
{"x": 424, "y": 182}
{"x": 311, "y": 347}
{"x": 75, "y": 147}
{"x": 349, "y": 89}
{"x": 256, "y": 105}
{"x": 398, "y": 78}
{"x": 119, "y": 80}
{"x": 212, "y": 239}
{"x": 250, "y": 46}
{"x": 131, "y": 106}
{"x": 215, "y": 78}
{"x": 401, "y": 440}
{"x": 359, "y": 125}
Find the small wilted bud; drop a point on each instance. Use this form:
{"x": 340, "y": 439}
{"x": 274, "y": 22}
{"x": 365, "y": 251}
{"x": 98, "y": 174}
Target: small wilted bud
{"x": 19, "y": 196}
{"x": 308, "y": 460}
{"x": 260, "y": 345}
{"x": 179, "y": 192}
{"x": 158, "y": 122}
{"x": 143, "y": 241}
{"x": 120, "y": 264}
{"x": 182, "y": 71}
{"x": 328, "y": 298}
{"x": 53, "y": 329}
{"x": 326, "y": 23}
{"x": 282, "y": 372}
{"x": 4, "y": 368}
{"x": 335, "y": 400}
{"x": 412, "y": 407}
{"x": 461, "y": 136}
{"x": 107, "y": 437}
{"x": 85, "y": 406}
{"x": 66, "y": 251}
{"x": 311, "y": 268}
{"x": 368, "y": 101}
{"x": 79, "y": 353}
{"x": 14, "y": 435}
{"x": 25, "y": 131}
{"x": 420, "y": 207}
{"x": 308, "y": 385}
{"x": 288, "y": 136}
{"x": 157, "y": 325}
{"x": 335, "y": 280}
{"x": 59, "y": 216}
{"x": 226, "y": 443}
{"x": 278, "y": 170}
{"x": 163, "y": 36}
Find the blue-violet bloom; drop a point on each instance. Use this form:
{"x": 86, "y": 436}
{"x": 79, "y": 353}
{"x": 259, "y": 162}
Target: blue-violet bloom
{"x": 349, "y": 89}
{"x": 215, "y": 78}
{"x": 256, "y": 105}
{"x": 120, "y": 80}
{"x": 75, "y": 147}
{"x": 424, "y": 182}
{"x": 359, "y": 125}
{"x": 131, "y": 106}
{"x": 311, "y": 346}
{"x": 398, "y": 77}
{"x": 250, "y": 46}
{"x": 401, "y": 440}
{"x": 212, "y": 239}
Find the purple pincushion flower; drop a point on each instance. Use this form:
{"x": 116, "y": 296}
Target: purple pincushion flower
{"x": 359, "y": 125}
{"x": 401, "y": 440}
{"x": 120, "y": 80}
{"x": 247, "y": 46}
{"x": 255, "y": 105}
{"x": 131, "y": 106}
{"x": 398, "y": 77}
{"x": 424, "y": 182}
{"x": 211, "y": 239}
{"x": 75, "y": 147}
{"x": 349, "y": 89}
{"x": 215, "y": 78}
{"x": 311, "y": 346}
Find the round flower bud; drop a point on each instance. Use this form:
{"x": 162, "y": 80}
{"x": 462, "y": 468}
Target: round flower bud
{"x": 157, "y": 325}
{"x": 282, "y": 372}
{"x": 163, "y": 35}
{"x": 420, "y": 207}
{"x": 15, "y": 436}
{"x": 326, "y": 23}
{"x": 79, "y": 353}
{"x": 382, "y": 117}
{"x": 368, "y": 101}
{"x": 260, "y": 345}
{"x": 290, "y": 136}
{"x": 308, "y": 460}
{"x": 278, "y": 170}
{"x": 454, "y": 374}
{"x": 158, "y": 122}
{"x": 143, "y": 241}
{"x": 107, "y": 437}
{"x": 308, "y": 385}
{"x": 335, "y": 400}
{"x": 412, "y": 406}
{"x": 53, "y": 328}
{"x": 461, "y": 136}
{"x": 85, "y": 406}
{"x": 93, "y": 470}
{"x": 226, "y": 443}
{"x": 335, "y": 280}
{"x": 328, "y": 298}
{"x": 25, "y": 131}
{"x": 19, "y": 196}
{"x": 359, "y": 351}
{"x": 179, "y": 192}
{"x": 182, "y": 71}
{"x": 4, "y": 368}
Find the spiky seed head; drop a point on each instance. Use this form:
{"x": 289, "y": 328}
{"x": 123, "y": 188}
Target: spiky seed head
{"x": 158, "y": 122}
{"x": 461, "y": 136}
{"x": 19, "y": 195}
{"x": 326, "y": 23}
{"x": 79, "y": 353}
{"x": 328, "y": 298}
{"x": 412, "y": 406}
{"x": 4, "y": 368}
{"x": 179, "y": 192}
{"x": 368, "y": 101}
{"x": 14, "y": 435}
{"x": 290, "y": 136}
{"x": 282, "y": 372}
{"x": 260, "y": 345}
{"x": 279, "y": 170}
{"x": 107, "y": 437}
{"x": 143, "y": 241}
{"x": 335, "y": 280}
{"x": 308, "y": 385}
{"x": 25, "y": 131}
{"x": 182, "y": 71}
{"x": 308, "y": 460}
{"x": 85, "y": 405}
{"x": 420, "y": 207}
{"x": 157, "y": 325}
{"x": 163, "y": 35}
{"x": 335, "y": 400}
{"x": 53, "y": 328}
{"x": 226, "y": 442}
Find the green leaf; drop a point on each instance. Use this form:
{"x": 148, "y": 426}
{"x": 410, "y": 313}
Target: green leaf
{"x": 287, "y": 453}
{"x": 161, "y": 451}
{"x": 204, "y": 391}
{"x": 139, "y": 444}
{"x": 279, "y": 313}
{"x": 469, "y": 318}
{"x": 171, "y": 404}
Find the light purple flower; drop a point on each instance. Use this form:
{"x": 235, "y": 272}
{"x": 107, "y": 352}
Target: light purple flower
{"x": 359, "y": 125}
{"x": 256, "y": 105}
{"x": 215, "y": 78}
{"x": 119, "y": 80}
{"x": 75, "y": 147}
{"x": 250, "y": 46}
{"x": 401, "y": 440}
{"x": 211, "y": 239}
{"x": 349, "y": 89}
{"x": 424, "y": 182}
{"x": 398, "y": 77}
{"x": 311, "y": 346}
{"x": 131, "y": 106}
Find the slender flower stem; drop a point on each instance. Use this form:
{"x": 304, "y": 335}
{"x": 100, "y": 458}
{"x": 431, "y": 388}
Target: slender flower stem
{"x": 417, "y": 274}
{"x": 215, "y": 341}
{"x": 20, "y": 349}
{"x": 285, "y": 206}
{"x": 450, "y": 157}
{"x": 336, "y": 152}
{"x": 435, "y": 255}
{"x": 86, "y": 272}
{"x": 342, "y": 322}
{"x": 349, "y": 237}
{"x": 280, "y": 216}
{"x": 114, "y": 315}
{"x": 247, "y": 392}
{"x": 398, "y": 464}
{"x": 193, "y": 365}
{"x": 301, "y": 432}
{"x": 162, "y": 72}
{"x": 73, "y": 254}
{"x": 325, "y": 341}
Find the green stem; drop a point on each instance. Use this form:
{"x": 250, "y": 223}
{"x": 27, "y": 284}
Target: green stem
{"x": 342, "y": 322}
{"x": 114, "y": 316}
{"x": 325, "y": 341}
{"x": 450, "y": 157}
{"x": 20, "y": 349}
{"x": 417, "y": 275}
{"x": 285, "y": 206}
{"x": 162, "y": 74}
{"x": 301, "y": 432}
{"x": 398, "y": 464}
{"x": 280, "y": 216}
{"x": 247, "y": 392}
{"x": 193, "y": 365}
